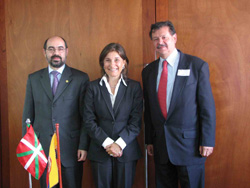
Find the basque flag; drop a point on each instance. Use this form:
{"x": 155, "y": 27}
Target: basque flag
{"x": 30, "y": 153}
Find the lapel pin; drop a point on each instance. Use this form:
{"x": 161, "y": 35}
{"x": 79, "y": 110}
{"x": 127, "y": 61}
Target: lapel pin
{"x": 67, "y": 81}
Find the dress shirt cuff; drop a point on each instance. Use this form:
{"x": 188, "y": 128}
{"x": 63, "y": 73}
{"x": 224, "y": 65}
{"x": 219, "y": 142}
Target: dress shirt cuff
{"x": 107, "y": 142}
{"x": 121, "y": 143}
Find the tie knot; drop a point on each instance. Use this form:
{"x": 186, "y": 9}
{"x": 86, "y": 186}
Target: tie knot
{"x": 55, "y": 73}
{"x": 165, "y": 66}
{"x": 165, "y": 63}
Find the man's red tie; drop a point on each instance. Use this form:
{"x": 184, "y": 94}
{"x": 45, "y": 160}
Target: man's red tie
{"x": 162, "y": 89}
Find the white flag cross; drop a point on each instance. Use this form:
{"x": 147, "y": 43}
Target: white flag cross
{"x": 36, "y": 152}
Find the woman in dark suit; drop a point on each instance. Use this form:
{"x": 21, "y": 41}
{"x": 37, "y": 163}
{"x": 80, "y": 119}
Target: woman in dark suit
{"x": 112, "y": 118}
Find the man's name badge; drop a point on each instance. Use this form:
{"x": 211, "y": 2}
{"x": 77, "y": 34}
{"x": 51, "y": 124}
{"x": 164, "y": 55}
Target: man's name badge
{"x": 183, "y": 72}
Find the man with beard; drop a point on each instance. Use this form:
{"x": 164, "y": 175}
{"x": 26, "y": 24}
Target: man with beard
{"x": 55, "y": 95}
{"x": 179, "y": 112}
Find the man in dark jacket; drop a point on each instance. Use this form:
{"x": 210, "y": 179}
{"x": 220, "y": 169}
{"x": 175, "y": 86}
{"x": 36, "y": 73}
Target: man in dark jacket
{"x": 55, "y": 95}
{"x": 179, "y": 112}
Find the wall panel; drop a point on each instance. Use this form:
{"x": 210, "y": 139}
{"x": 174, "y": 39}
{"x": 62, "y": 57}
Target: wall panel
{"x": 28, "y": 24}
{"x": 100, "y": 23}
{"x": 148, "y": 17}
{"x": 217, "y": 31}
{"x": 4, "y": 131}
{"x": 87, "y": 26}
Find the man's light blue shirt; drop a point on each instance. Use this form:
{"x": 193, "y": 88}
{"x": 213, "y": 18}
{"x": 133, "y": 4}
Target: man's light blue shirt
{"x": 173, "y": 61}
{"x": 60, "y": 70}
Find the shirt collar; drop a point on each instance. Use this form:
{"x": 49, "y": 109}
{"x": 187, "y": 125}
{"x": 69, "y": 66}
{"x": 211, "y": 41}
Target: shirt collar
{"x": 104, "y": 78}
{"x": 171, "y": 58}
{"x": 60, "y": 70}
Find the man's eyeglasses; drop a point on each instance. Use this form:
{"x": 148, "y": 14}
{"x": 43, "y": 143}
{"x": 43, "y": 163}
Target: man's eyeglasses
{"x": 53, "y": 50}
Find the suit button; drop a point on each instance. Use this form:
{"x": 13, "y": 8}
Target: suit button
{"x": 113, "y": 123}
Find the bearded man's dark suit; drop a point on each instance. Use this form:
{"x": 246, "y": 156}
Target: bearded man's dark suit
{"x": 190, "y": 120}
{"x": 65, "y": 108}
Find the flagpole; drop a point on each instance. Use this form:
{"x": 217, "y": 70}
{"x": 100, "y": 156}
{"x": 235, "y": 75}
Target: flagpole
{"x": 30, "y": 179}
{"x": 58, "y": 155}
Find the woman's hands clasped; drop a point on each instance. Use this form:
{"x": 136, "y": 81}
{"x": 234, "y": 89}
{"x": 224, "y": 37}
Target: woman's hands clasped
{"x": 114, "y": 150}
